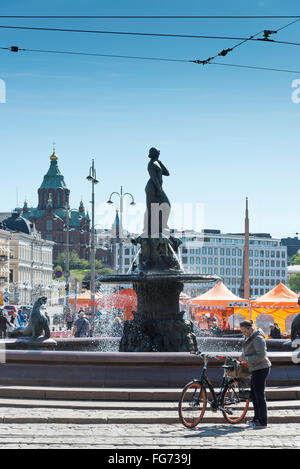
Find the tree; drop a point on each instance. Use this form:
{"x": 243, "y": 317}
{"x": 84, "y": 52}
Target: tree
{"x": 295, "y": 259}
{"x": 294, "y": 282}
{"x": 74, "y": 261}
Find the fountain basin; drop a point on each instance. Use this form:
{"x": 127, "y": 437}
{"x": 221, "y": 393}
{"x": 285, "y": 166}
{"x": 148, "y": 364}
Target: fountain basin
{"x": 122, "y": 370}
{"x": 111, "y": 344}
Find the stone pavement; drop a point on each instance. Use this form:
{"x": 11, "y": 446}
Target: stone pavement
{"x": 161, "y": 437}
{"x": 68, "y": 418}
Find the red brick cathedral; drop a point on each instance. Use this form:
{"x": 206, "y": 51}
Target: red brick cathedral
{"x": 50, "y": 216}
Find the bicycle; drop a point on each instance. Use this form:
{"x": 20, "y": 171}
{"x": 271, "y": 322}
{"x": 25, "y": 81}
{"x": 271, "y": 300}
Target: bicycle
{"x": 232, "y": 399}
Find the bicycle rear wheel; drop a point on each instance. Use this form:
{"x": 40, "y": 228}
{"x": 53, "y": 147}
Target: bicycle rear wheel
{"x": 234, "y": 405}
{"x": 192, "y": 404}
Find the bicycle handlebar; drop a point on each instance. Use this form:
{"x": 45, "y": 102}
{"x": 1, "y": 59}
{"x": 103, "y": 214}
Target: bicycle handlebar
{"x": 207, "y": 355}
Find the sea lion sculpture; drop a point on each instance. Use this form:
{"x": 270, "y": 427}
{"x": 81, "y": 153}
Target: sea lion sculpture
{"x": 37, "y": 323}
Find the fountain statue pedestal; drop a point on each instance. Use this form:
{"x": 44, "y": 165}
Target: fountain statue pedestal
{"x": 158, "y": 324}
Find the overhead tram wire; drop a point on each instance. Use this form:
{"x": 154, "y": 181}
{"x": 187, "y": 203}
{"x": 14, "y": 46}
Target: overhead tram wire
{"x": 128, "y": 33}
{"x": 165, "y": 59}
{"x": 149, "y": 16}
{"x": 266, "y": 37}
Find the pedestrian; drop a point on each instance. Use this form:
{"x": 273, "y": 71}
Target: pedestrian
{"x": 255, "y": 356}
{"x": 81, "y": 326}
{"x": 216, "y": 330}
{"x": 21, "y": 317}
{"x": 69, "y": 321}
{"x": 275, "y": 331}
{"x": 3, "y": 325}
{"x": 15, "y": 321}
{"x": 211, "y": 320}
{"x": 117, "y": 327}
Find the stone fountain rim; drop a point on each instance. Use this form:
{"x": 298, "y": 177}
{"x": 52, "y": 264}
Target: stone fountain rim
{"x": 152, "y": 276}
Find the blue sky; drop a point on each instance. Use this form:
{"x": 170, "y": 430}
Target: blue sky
{"x": 224, "y": 133}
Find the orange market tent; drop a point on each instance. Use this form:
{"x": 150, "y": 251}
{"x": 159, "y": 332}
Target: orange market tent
{"x": 124, "y": 299}
{"x": 221, "y": 301}
{"x": 278, "y": 305}
{"x": 84, "y": 300}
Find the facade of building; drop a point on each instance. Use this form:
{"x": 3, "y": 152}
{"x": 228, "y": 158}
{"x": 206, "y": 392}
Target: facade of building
{"x": 222, "y": 254}
{"x": 26, "y": 270}
{"x": 54, "y": 219}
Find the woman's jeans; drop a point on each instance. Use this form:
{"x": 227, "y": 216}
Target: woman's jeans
{"x": 258, "y": 383}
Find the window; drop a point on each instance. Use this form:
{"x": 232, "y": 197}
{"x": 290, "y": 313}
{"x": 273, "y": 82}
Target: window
{"x": 203, "y": 250}
{"x": 227, "y": 252}
{"x": 204, "y": 260}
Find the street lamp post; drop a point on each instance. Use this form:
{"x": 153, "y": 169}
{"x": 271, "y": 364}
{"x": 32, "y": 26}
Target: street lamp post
{"x": 67, "y": 262}
{"x": 92, "y": 178}
{"x": 132, "y": 203}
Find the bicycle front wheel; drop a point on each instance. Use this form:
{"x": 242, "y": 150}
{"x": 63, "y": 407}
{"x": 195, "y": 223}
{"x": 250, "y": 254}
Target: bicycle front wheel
{"x": 234, "y": 405}
{"x": 192, "y": 404}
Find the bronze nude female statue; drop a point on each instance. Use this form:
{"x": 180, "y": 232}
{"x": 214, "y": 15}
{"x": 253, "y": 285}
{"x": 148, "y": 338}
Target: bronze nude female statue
{"x": 158, "y": 205}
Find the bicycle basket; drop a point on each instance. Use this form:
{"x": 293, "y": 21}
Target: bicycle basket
{"x": 238, "y": 370}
